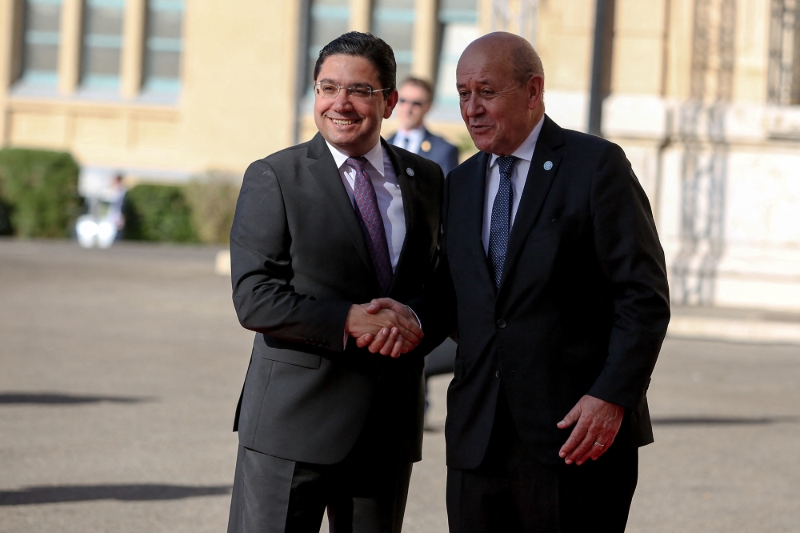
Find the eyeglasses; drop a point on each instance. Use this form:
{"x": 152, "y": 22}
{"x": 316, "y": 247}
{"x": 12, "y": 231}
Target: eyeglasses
{"x": 329, "y": 91}
{"x": 414, "y": 103}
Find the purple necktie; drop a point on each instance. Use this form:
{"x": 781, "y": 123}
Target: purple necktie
{"x": 369, "y": 217}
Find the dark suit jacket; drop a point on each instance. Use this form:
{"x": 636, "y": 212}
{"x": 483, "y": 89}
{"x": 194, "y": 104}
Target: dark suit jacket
{"x": 298, "y": 261}
{"x": 438, "y": 150}
{"x": 583, "y": 304}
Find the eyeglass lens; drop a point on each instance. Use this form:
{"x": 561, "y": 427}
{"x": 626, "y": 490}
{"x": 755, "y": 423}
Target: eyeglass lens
{"x": 331, "y": 90}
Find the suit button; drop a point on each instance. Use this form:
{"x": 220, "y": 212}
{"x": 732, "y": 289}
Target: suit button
{"x": 501, "y": 323}
{"x": 497, "y": 374}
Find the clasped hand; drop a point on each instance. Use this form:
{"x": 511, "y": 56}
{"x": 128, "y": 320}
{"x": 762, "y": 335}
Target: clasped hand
{"x": 384, "y": 326}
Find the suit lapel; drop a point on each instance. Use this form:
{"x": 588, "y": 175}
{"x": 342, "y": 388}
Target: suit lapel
{"x": 537, "y": 185}
{"x": 322, "y": 166}
{"x": 408, "y": 190}
{"x": 475, "y": 195}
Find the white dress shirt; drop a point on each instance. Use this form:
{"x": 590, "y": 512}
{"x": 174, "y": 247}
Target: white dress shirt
{"x": 387, "y": 190}
{"x": 520, "y": 175}
{"x": 411, "y": 140}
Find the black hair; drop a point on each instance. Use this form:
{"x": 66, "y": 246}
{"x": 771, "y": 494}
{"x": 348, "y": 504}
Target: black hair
{"x": 372, "y": 48}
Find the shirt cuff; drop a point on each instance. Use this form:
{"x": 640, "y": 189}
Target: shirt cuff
{"x": 419, "y": 322}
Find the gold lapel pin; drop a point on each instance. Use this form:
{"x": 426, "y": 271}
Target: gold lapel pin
{"x": 426, "y": 146}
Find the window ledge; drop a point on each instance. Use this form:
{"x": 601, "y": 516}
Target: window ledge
{"x": 783, "y": 122}
{"x": 90, "y": 97}
{"x": 74, "y": 106}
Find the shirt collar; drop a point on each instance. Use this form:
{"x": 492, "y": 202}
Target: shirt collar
{"x": 415, "y": 133}
{"x": 374, "y": 156}
{"x": 525, "y": 150}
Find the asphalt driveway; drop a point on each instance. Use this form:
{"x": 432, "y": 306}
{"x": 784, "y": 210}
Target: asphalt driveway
{"x": 120, "y": 370}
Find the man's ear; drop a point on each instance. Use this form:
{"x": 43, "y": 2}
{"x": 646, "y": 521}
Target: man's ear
{"x": 535, "y": 89}
{"x": 391, "y": 102}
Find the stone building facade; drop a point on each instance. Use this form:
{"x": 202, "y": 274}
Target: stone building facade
{"x": 702, "y": 94}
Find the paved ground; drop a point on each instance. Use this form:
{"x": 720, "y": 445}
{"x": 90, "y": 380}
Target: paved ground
{"x": 120, "y": 370}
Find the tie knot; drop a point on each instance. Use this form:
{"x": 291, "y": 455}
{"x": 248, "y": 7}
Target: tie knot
{"x": 358, "y": 163}
{"x": 506, "y": 164}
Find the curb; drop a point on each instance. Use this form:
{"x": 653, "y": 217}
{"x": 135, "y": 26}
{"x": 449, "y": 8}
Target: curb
{"x": 726, "y": 329}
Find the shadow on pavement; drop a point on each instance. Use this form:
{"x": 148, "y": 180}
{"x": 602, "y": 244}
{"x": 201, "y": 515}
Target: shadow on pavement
{"x": 721, "y": 420}
{"x": 60, "y": 399}
{"x": 83, "y": 493}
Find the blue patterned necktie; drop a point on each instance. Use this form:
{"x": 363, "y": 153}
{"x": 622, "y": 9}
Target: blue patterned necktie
{"x": 501, "y": 218}
{"x": 371, "y": 222}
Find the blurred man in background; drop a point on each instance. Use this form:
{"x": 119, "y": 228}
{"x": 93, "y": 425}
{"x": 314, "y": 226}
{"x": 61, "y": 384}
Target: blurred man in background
{"x": 416, "y": 97}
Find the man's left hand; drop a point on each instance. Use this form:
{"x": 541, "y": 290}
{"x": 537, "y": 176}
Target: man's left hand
{"x": 597, "y": 425}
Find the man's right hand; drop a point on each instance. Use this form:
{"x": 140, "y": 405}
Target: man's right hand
{"x": 385, "y": 341}
{"x": 395, "y": 326}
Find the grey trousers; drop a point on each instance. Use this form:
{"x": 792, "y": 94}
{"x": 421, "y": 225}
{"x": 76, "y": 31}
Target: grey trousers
{"x": 274, "y": 495}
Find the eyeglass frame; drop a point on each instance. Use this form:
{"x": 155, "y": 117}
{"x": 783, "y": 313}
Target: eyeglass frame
{"x": 413, "y": 103}
{"x": 349, "y": 94}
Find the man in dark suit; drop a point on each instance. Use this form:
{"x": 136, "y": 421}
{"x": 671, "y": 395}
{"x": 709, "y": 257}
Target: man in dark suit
{"x": 554, "y": 278}
{"x": 416, "y": 97}
{"x": 320, "y": 227}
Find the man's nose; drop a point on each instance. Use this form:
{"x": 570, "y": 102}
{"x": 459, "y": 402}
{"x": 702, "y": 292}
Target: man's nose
{"x": 472, "y": 107}
{"x": 342, "y": 100}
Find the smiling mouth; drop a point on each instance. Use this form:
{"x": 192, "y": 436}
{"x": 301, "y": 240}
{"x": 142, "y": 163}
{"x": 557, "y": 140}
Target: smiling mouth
{"x": 343, "y": 122}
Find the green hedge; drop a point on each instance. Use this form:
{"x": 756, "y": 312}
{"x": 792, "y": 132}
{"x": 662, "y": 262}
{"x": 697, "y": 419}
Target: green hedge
{"x": 39, "y": 198}
{"x": 158, "y": 213}
{"x": 212, "y": 199}
{"x": 200, "y": 211}
{"x": 38, "y": 193}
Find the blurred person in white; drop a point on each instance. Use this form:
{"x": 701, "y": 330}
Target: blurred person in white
{"x": 116, "y": 200}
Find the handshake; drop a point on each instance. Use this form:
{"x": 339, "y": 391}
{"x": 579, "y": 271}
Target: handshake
{"x": 384, "y": 326}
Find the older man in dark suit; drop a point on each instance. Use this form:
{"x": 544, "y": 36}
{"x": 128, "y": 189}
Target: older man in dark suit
{"x": 554, "y": 278}
{"x": 319, "y": 228}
